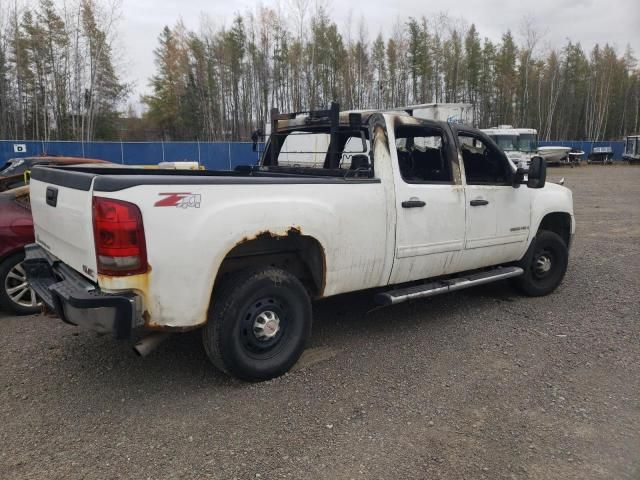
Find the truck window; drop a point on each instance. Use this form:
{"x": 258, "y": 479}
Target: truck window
{"x": 483, "y": 164}
{"x": 352, "y": 147}
{"x": 421, "y": 155}
{"x": 302, "y": 149}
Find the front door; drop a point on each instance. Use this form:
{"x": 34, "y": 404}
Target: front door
{"x": 430, "y": 205}
{"x": 498, "y": 215}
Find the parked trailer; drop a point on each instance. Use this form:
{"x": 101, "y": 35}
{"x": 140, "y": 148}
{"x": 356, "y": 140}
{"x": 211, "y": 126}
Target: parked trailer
{"x": 632, "y": 149}
{"x": 453, "y": 113}
{"x": 520, "y": 144}
{"x": 603, "y": 155}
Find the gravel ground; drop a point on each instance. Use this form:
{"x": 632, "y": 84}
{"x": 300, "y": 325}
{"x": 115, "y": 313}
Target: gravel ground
{"x": 476, "y": 384}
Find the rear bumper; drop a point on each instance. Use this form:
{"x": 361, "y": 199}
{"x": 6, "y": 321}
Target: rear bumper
{"x": 75, "y": 299}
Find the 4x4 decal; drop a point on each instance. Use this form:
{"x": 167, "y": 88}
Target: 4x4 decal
{"x": 180, "y": 200}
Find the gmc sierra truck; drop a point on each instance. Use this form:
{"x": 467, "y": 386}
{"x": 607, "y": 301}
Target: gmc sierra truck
{"x": 339, "y": 202}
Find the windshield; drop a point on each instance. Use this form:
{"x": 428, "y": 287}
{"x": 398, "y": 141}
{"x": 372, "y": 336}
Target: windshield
{"x": 506, "y": 142}
{"x": 13, "y": 167}
{"x": 527, "y": 142}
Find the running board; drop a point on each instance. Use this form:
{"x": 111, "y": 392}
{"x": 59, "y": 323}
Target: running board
{"x": 449, "y": 285}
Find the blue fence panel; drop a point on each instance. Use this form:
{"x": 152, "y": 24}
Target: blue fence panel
{"x": 587, "y": 146}
{"x": 215, "y": 156}
{"x": 212, "y": 155}
{"x": 110, "y": 151}
{"x": 142, "y": 153}
{"x": 29, "y": 148}
{"x": 181, "y": 152}
{"x": 243, "y": 154}
{"x": 62, "y": 149}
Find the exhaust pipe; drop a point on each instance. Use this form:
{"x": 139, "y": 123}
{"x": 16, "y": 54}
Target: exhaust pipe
{"x": 148, "y": 344}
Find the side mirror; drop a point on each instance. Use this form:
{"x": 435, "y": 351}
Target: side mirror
{"x": 537, "y": 173}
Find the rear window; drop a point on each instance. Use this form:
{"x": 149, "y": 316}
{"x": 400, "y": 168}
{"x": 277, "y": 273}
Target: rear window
{"x": 310, "y": 149}
{"x": 309, "y": 152}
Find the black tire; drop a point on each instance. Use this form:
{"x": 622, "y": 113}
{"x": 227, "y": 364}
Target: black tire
{"x": 9, "y": 269}
{"x": 545, "y": 265}
{"x": 259, "y": 323}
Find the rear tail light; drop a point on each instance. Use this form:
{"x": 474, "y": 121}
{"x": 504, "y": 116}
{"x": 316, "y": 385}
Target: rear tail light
{"x": 119, "y": 237}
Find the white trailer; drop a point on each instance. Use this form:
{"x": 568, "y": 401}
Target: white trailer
{"x": 520, "y": 144}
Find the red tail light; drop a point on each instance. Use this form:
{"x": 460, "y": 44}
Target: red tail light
{"x": 119, "y": 237}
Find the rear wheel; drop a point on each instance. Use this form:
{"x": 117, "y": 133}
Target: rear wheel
{"x": 16, "y": 296}
{"x": 259, "y": 323}
{"x": 546, "y": 267}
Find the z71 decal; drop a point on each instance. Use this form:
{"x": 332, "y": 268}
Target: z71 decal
{"x": 179, "y": 200}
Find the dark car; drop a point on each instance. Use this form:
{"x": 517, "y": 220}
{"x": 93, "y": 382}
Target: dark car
{"x": 16, "y": 231}
{"x": 18, "y": 166}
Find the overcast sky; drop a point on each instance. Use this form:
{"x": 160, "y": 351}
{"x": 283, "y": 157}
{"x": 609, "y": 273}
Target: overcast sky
{"x": 587, "y": 21}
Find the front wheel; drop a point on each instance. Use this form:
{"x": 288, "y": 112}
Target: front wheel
{"x": 546, "y": 267}
{"x": 259, "y": 323}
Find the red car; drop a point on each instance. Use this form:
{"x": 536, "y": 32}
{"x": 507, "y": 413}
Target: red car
{"x": 16, "y": 231}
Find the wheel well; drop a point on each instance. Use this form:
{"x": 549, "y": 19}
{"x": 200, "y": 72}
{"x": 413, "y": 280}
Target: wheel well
{"x": 558, "y": 222}
{"x": 301, "y": 255}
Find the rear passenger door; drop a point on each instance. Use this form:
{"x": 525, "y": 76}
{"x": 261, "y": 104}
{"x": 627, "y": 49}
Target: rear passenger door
{"x": 430, "y": 205}
{"x": 498, "y": 215}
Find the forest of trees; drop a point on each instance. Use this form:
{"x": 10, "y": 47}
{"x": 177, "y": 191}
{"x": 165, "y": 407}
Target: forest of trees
{"x": 57, "y": 76}
{"x": 58, "y": 81}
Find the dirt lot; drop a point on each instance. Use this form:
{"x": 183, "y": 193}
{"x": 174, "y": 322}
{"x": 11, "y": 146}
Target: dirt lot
{"x": 477, "y": 384}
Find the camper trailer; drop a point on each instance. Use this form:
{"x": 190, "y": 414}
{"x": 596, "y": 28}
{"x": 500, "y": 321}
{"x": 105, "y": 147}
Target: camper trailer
{"x": 520, "y": 144}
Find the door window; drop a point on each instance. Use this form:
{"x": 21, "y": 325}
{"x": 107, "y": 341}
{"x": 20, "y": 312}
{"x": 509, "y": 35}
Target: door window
{"x": 421, "y": 155}
{"x": 483, "y": 163}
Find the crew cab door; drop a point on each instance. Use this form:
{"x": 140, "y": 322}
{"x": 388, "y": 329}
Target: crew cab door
{"x": 498, "y": 215}
{"x": 430, "y": 206}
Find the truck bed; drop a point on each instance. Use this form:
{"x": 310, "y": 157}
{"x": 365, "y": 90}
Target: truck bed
{"x": 111, "y": 179}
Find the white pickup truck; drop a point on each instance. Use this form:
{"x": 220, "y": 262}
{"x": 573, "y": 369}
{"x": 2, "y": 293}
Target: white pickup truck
{"x": 339, "y": 202}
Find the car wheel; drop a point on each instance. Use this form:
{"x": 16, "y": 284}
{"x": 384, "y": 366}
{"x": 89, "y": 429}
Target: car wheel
{"x": 546, "y": 267}
{"x": 259, "y": 323}
{"x": 16, "y": 296}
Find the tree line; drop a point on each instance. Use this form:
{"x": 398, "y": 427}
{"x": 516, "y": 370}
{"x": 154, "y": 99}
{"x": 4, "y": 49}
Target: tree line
{"x": 57, "y": 78}
{"x": 57, "y": 75}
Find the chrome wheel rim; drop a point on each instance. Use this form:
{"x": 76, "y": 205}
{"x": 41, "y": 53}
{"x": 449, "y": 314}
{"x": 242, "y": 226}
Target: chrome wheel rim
{"x": 18, "y": 289}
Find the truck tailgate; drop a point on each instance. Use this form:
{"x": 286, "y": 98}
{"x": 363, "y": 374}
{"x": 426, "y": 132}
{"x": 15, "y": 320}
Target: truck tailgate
{"x": 62, "y": 217}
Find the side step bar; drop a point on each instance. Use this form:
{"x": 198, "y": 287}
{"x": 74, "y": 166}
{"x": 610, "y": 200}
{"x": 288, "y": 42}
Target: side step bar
{"x": 449, "y": 285}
